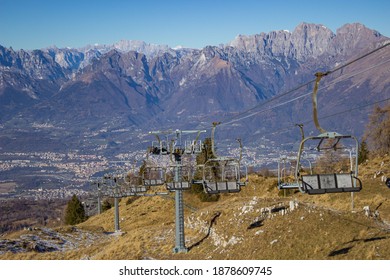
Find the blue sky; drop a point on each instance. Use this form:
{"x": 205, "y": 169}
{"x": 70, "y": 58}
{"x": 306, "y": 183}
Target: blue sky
{"x": 34, "y": 24}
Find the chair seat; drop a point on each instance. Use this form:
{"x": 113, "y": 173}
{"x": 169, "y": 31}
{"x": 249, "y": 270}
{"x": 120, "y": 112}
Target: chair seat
{"x": 330, "y": 183}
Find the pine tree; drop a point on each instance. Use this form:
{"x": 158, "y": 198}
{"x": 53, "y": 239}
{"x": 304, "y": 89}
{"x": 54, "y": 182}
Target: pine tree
{"x": 206, "y": 152}
{"x": 106, "y": 205}
{"x": 204, "y": 156}
{"x": 363, "y": 152}
{"x": 74, "y": 213}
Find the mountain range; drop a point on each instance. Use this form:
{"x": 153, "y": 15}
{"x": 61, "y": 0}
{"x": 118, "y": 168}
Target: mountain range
{"x": 73, "y": 99}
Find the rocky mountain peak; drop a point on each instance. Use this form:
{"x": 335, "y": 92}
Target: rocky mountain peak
{"x": 150, "y": 50}
{"x": 310, "y": 40}
{"x": 355, "y": 37}
{"x": 357, "y": 28}
{"x": 307, "y": 41}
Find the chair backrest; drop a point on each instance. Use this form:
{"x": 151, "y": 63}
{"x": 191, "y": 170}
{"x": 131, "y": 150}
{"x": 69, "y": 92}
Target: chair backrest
{"x": 329, "y": 183}
{"x": 153, "y": 176}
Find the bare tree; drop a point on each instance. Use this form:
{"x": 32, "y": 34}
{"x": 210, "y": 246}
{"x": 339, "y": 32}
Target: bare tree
{"x": 377, "y": 131}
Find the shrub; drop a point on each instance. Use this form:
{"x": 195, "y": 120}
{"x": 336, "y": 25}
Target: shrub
{"x": 106, "y": 205}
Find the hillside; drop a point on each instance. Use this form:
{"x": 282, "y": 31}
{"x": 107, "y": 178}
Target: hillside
{"x": 257, "y": 223}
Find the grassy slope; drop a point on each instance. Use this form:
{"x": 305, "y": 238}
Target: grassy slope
{"x": 239, "y": 227}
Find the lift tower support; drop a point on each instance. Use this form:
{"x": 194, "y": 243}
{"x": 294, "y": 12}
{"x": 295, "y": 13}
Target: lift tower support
{"x": 177, "y": 150}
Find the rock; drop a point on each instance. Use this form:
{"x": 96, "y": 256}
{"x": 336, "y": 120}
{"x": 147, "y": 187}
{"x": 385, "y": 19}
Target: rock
{"x": 366, "y": 210}
{"x": 273, "y": 241}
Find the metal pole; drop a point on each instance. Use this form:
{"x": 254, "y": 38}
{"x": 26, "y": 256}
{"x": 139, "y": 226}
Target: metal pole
{"x": 116, "y": 202}
{"x": 99, "y": 200}
{"x": 179, "y": 221}
{"x": 352, "y": 196}
{"x": 99, "y": 206}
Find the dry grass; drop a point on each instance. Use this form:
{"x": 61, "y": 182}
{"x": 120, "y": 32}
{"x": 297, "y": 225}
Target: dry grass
{"x": 239, "y": 227}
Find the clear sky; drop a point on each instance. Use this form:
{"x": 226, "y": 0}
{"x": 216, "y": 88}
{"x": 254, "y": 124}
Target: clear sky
{"x": 34, "y": 24}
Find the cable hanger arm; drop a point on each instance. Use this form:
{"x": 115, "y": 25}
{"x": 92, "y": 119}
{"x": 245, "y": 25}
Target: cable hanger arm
{"x": 318, "y": 75}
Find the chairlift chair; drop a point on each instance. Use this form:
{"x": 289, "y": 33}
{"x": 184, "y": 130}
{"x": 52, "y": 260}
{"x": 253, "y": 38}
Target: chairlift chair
{"x": 159, "y": 147}
{"x": 133, "y": 180}
{"x": 286, "y": 172}
{"x": 193, "y": 146}
{"x": 123, "y": 187}
{"x": 329, "y": 182}
{"x": 153, "y": 176}
{"x": 109, "y": 187}
{"x": 286, "y": 175}
{"x": 321, "y": 183}
{"x": 179, "y": 177}
{"x": 221, "y": 176}
{"x": 132, "y": 184}
{"x": 243, "y": 175}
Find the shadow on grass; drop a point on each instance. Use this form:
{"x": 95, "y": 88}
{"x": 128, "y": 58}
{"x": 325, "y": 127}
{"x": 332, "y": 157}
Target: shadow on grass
{"x": 342, "y": 251}
{"x": 216, "y": 215}
{"x": 346, "y": 250}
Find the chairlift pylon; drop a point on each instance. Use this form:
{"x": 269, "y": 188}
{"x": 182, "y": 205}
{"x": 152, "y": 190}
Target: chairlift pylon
{"x": 178, "y": 184}
{"x": 159, "y": 175}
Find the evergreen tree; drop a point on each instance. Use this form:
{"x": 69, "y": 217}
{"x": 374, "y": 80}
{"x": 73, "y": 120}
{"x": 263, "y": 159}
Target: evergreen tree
{"x": 74, "y": 213}
{"x": 106, "y": 205}
{"x": 363, "y": 152}
{"x": 142, "y": 170}
{"x": 205, "y": 155}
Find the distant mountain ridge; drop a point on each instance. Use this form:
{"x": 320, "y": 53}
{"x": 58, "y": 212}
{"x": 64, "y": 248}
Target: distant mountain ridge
{"x": 132, "y": 84}
{"x": 308, "y": 41}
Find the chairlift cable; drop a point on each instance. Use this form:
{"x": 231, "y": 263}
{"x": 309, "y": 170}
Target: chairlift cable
{"x": 288, "y": 128}
{"x": 239, "y": 116}
{"x": 319, "y": 76}
{"x": 236, "y": 119}
{"x": 360, "y": 57}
